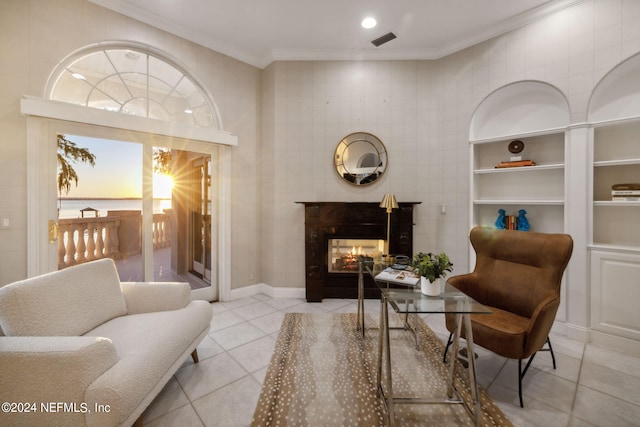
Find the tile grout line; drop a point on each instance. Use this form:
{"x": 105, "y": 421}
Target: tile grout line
{"x": 575, "y": 393}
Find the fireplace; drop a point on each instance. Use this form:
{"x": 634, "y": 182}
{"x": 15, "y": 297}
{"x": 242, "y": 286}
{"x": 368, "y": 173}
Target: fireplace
{"x": 335, "y": 232}
{"x": 343, "y": 254}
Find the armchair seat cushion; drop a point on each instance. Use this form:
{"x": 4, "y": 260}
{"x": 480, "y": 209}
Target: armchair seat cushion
{"x": 503, "y": 332}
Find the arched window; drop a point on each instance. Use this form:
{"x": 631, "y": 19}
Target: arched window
{"x": 135, "y": 80}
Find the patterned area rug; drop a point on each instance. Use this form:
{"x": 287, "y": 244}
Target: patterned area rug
{"x": 323, "y": 373}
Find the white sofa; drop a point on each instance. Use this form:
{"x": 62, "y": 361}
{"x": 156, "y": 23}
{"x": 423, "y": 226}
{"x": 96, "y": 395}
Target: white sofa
{"x": 90, "y": 349}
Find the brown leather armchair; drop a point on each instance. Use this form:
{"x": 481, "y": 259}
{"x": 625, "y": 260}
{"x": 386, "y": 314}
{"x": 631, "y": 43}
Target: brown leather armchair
{"x": 517, "y": 274}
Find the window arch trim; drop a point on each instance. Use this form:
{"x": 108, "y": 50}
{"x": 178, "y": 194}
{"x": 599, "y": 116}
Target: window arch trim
{"x": 143, "y": 49}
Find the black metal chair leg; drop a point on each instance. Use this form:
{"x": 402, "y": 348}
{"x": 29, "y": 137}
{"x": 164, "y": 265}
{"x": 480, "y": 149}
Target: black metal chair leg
{"x": 521, "y": 372}
{"x": 520, "y": 375}
{"x": 553, "y": 357}
{"x": 449, "y": 341}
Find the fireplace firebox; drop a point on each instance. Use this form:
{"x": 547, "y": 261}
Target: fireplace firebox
{"x": 343, "y": 254}
{"x": 336, "y": 233}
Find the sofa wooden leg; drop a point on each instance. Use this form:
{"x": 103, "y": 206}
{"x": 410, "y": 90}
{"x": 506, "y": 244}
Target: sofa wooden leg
{"x": 194, "y": 356}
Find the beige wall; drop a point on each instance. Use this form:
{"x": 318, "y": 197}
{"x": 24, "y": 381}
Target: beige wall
{"x": 37, "y": 34}
{"x": 290, "y": 116}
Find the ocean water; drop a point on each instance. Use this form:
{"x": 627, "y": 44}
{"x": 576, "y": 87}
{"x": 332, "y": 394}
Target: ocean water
{"x": 70, "y": 208}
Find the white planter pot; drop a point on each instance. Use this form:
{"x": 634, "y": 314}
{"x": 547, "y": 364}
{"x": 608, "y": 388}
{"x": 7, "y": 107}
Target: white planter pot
{"x": 430, "y": 289}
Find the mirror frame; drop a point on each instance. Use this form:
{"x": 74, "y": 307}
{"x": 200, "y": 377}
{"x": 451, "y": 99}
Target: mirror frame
{"x": 369, "y": 174}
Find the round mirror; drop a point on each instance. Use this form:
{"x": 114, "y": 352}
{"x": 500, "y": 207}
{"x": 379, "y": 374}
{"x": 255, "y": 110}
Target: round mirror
{"x": 360, "y": 158}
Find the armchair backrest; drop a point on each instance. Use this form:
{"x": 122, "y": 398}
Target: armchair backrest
{"x": 517, "y": 270}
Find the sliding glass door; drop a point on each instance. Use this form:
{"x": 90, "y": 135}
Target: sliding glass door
{"x": 127, "y": 206}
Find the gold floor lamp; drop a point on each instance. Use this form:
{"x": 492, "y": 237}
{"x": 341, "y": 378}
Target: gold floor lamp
{"x": 390, "y": 203}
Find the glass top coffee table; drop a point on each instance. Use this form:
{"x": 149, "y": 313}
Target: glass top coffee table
{"x": 411, "y": 301}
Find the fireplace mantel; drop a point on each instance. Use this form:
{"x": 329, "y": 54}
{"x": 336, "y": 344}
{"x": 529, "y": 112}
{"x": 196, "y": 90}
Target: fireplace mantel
{"x": 351, "y": 220}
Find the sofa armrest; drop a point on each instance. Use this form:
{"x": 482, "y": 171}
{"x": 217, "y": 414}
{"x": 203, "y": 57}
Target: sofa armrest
{"x": 148, "y": 297}
{"x": 51, "y": 369}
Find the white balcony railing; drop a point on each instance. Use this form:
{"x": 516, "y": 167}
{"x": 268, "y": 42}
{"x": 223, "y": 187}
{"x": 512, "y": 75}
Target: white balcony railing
{"x": 161, "y": 230}
{"x": 82, "y": 240}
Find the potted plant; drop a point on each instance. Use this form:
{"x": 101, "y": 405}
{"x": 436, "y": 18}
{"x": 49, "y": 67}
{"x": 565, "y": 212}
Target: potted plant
{"x": 432, "y": 268}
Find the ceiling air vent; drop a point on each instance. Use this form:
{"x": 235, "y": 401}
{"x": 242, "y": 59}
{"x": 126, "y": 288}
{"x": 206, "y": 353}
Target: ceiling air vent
{"x": 382, "y": 40}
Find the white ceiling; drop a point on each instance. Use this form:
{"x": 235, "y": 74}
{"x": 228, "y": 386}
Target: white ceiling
{"x": 261, "y": 31}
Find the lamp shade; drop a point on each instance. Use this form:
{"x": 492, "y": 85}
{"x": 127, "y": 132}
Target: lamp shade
{"x": 389, "y": 202}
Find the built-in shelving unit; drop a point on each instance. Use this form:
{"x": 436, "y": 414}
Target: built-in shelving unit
{"x": 616, "y": 160}
{"x": 614, "y": 231}
{"x": 536, "y": 114}
{"x": 539, "y": 189}
{"x": 569, "y": 191}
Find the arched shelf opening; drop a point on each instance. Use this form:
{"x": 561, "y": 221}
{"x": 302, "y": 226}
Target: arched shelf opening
{"x": 617, "y": 95}
{"x": 520, "y": 108}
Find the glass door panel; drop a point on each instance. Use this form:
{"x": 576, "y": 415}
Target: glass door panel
{"x": 102, "y": 214}
{"x": 200, "y": 243}
{"x": 100, "y": 205}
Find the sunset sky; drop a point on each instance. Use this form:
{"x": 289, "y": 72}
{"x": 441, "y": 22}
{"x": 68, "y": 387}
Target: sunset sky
{"x": 116, "y": 174}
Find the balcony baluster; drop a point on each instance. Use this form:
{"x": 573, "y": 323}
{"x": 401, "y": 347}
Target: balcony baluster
{"x": 82, "y": 240}
{"x": 81, "y": 247}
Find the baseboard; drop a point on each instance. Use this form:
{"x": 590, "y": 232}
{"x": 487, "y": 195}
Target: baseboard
{"x": 559, "y": 328}
{"x": 613, "y": 342}
{"x": 603, "y": 339}
{"x": 577, "y": 333}
{"x": 271, "y": 291}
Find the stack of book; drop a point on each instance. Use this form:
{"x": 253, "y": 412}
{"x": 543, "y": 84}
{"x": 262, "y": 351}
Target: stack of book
{"x": 510, "y": 222}
{"x": 625, "y": 193}
{"x": 515, "y": 164}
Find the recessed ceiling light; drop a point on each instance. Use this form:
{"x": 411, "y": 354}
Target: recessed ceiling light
{"x": 78, "y": 76}
{"x": 188, "y": 111}
{"x": 369, "y": 22}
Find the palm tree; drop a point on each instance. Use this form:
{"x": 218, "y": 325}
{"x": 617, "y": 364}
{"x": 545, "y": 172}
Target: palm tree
{"x": 68, "y": 154}
{"x": 162, "y": 161}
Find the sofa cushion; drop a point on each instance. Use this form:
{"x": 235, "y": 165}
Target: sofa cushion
{"x": 148, "y": 346}
{"x": 67, "y": 302}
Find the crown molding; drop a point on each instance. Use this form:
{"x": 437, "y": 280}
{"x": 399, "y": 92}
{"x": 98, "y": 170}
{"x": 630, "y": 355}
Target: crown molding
{"x": 262, "y": 60}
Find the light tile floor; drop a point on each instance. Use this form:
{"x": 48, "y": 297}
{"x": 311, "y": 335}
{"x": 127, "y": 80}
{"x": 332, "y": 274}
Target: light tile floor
{"x": 592, "y": 386}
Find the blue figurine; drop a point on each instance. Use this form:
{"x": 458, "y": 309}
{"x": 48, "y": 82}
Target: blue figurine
{"x": 523, "y": 222}
{"x": 500, "y": 220}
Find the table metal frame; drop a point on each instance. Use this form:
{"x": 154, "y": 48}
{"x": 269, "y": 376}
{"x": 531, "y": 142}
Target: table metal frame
{"x": 464, "y": 307}
{"x": 462, "y": 316}
{"x": 366, "y": 266}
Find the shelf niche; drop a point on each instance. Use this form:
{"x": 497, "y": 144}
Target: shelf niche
{"x": 520, "y": 108}
{"x": 538, "y": 114}
{"x": 614, "y": 111}
{"x": 617, "y": 95}
{"x": 614, "y": 248}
